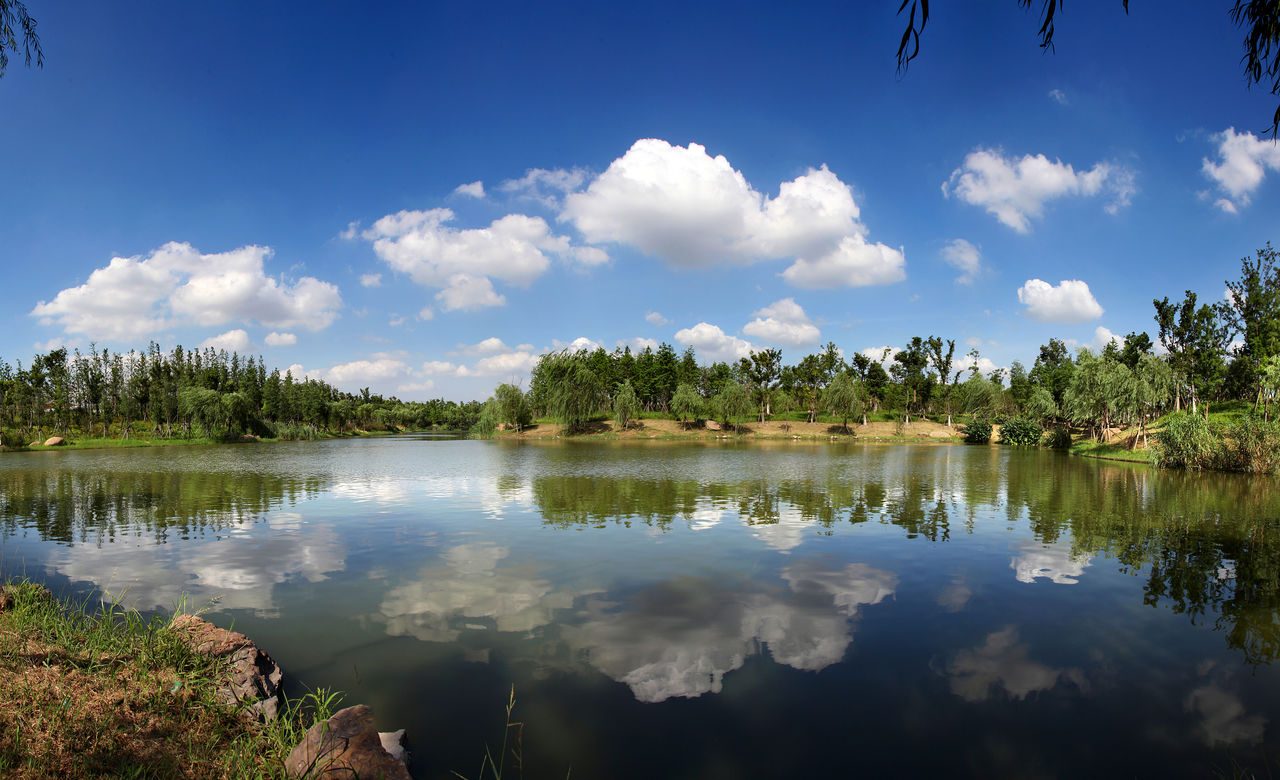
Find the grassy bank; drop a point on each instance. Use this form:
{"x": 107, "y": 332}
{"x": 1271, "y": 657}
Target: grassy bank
{"x": 108, "y": 692}
{"x": 100, "y": 443}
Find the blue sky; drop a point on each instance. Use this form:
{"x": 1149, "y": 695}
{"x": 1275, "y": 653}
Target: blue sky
{"x": 300, "y": 180}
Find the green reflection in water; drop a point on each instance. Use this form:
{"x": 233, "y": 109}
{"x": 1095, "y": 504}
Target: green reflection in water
{"x": 81, "y": 505}
{"x": 1208, "y": 545}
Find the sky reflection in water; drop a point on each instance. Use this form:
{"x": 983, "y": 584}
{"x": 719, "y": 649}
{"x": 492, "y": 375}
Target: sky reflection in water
{"x": 1028, "y": 613}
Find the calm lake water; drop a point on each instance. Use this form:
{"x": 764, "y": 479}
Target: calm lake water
{"x": 717, "y": 611}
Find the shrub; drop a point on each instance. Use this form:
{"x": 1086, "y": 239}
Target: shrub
{"x": 1250, "y": 444}
{"x": 978, "y": 432}
{"x": 12, "y": 439}
{"x": 1022, "y": 432}
{"x": 1185, "y": 443}
{"x": 1059, "y": 438}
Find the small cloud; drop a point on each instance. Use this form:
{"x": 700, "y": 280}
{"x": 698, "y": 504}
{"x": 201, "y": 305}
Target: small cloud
{"x": 965, "y": 258}
{"x": 1069, "y": 302}
{"x": 1059, "y": 97}
{"x": 232, "y": 341}
{"x": 637, "y": 344}
{"x": 426, "y": 313}
{"x": 274, "y": 339}
{"x": 783, "y": 322}
{"x": 474, "y": 190}
{"x": 656, "y": 319}
{"x": 1243, "y": 162}
{"x": 580, "y": 344}
{"x": 353, "y": 230}
{"x": 1102, "y": 337}
{"x": 371, "y": 280}
{"x": 713, "y": 343}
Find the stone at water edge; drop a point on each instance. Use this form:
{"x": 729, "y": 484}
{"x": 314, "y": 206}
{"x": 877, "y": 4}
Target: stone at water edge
{"x": 253, "y": 678}
{"x": 393, "y": 743}
{"x": 344, "y": 746}
{"x": 54, "y": 441}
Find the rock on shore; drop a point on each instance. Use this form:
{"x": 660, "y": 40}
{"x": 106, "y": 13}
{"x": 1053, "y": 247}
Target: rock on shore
{"x": 253, "y": 678}
{"x": 347, "y": 745}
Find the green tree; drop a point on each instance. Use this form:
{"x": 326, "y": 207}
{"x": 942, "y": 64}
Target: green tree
{"x": 1053, "y": 369}
{"x": 1252, "y": 312}
{"x": 570, "y": 390}
{"x": 511, "y": 406}
{"x": 1196, "y": 341}
{"x": 909, "y": 366}
{"x": 731, "y": 404}
{"x": 844, "y": 398}
{"x": 941, "y": 364}
{"x": 626, "y": 407}
{"x": 685, "y": 403}
{"x": 762, "y": 370}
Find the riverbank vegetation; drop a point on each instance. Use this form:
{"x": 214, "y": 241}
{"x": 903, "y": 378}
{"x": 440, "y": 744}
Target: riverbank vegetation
{"x": 150, "y": 395}
{"x": 1113, "y": 398}
{"x": 106, "y": 692}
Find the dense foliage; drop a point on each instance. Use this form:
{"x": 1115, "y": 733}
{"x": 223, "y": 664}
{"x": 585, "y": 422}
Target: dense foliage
{"x": 977, "y": 432}
{"x": 1022, "y": 432}
{"x": 185, "y": 393}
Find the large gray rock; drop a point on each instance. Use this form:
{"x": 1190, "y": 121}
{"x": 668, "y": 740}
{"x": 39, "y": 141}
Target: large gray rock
{"x": 345, "y": 746}
{"x": 253, "y": 679}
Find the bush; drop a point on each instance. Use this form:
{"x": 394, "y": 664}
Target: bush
{"x": 1185, "y": 443}
{"x": 1059, "y": 439}
{"x": 286, "y": 431}
{"x": 978, "y": 432}
{"x": 12, "y": 439}
{"x": 1251, "y": 445}
{"x": 1022, "y": 432}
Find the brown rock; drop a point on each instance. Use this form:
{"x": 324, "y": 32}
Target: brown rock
{"x": 54, "y": 441}
{"x": 344, "y": 746}
{"x": 253, "y": 679}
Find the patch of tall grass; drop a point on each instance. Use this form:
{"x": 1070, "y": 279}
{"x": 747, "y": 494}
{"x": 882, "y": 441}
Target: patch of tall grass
{"x": 104, "y": 691}
{"x": 1245, "y": 443}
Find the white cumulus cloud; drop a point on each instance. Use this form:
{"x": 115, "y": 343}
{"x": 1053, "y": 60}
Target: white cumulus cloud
{"x": 134, "y": 297}
{"x": 363, "y": 372}
{"x": 714, "y": 344}
{"x": 232, "y": 341}
{"x": 1243, "y": 162}
{"x": 1103, "y": 336}
{"x": 275, "y": 339}
{"x": 965, "y": 258}
{"x": 514, "y": 249}
{"x": 656, "y": 319}
{"x": 371, "y": 280}
{"x": 1068, "y": 302}
{"x": 489, "y": 346}
{"x": 1016, "y": 190}
{"x": 783, "y": 322}
{"x": 694, "y": 211}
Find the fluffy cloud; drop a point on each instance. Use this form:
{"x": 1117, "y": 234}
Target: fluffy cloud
{"x": 513, "y": 249}
{"x": 1243, "y": 161}
{"x": 371, "y": 280}
{"x": 366, "y": 371}
{"x": 468, "y": 293}
{"x": 438, "y": 367}
{"x": 505, "y": 364}
{"x": 656, "y": 319}
{"x": 1069, "y": 302}
{"x": 783, "y": 322}
{"x": 1103, "y": 336}
{"x": 963, "y": 364}
{"x": 580, "y": 344}
{"x": 489, "y": 346}
{"x": 1002, "y": 663}
{"x": 882, "y": 355}
{"x": 853, "y": 263}
{"x": 475, "y": 189}
{"x": 1055, "y": 562}
{"x": 135, "y": 297}
{"x": 1016, "y": 190}
{"x": 274, "y": 339}
{"x": 965, "y": 258}
{"x": 695, "y": 211}
{"x": 232, "y": 341}
{"x": 712, "y": 343}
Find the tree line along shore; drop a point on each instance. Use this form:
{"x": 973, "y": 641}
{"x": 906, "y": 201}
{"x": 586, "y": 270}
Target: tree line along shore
{"x": 1223, "y": 356}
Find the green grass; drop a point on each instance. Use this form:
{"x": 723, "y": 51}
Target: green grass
{"x": 102, "y": 691}
{"x": 1093, "y": 449}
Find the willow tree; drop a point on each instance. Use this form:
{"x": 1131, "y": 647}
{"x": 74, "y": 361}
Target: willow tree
{"x": 731, "y": 404}
{"x": 685, "y": 403}
{"x": 626, "y": 407}
{"x": 567, "y": 387}
{"x": 1147, "y": 392}
{"x": 511, "y": 406}
{"x": 845, "y": 398}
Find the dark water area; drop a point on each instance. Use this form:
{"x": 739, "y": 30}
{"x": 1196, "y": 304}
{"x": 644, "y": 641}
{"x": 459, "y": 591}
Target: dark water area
{"x": 708, "y": 610}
